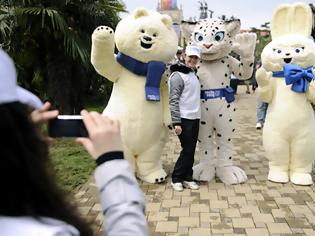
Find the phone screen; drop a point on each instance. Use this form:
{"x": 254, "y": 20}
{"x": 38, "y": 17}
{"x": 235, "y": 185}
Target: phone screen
{"x": 67, "y": 126}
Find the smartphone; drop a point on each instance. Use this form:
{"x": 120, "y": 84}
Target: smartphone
{"x": 67, "y": 126}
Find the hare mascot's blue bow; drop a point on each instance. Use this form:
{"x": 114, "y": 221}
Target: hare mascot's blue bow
{"x": 297, "y": 76}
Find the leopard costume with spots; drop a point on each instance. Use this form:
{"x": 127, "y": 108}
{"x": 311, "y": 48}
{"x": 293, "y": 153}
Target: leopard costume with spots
{"x": 216, "y": 39}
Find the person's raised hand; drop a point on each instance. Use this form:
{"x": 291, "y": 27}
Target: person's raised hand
{"x": 104, "y": 134}
{"x": 43, "y": 115}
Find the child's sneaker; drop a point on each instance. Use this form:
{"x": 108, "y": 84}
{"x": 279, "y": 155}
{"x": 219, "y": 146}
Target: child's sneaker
{"x": 191, "y": 184}
{"x": 259, "y": 125}
{"x": 177, "y": 187}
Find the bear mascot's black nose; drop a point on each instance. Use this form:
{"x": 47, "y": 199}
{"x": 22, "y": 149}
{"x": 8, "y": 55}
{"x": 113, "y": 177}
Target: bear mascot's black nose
{"x": 147, "y": 38}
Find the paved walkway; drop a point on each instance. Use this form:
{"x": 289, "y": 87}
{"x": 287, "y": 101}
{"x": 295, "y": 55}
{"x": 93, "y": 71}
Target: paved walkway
{"x": 256, "y": 208}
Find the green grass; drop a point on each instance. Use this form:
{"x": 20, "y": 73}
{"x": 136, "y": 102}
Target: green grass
{"x": 72, "y": 163}
{"x": 98, "y": 108}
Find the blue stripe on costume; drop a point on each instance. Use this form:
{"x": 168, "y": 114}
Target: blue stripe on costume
{"x": 153, "y": 70}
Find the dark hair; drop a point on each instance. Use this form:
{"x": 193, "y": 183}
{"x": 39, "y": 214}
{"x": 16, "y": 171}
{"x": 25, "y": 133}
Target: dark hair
{"x": 313, "y": 11}
{"x": 28, "y": 186}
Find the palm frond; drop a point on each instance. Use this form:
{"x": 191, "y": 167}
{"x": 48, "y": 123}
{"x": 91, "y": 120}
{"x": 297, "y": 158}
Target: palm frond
{"x": 6, "y": 22}
{"x": 77, "y": 46}
{"x": 57, "y": 20}
{"x": 5, "y": 29}
{"x": 29, "y": 14}
{"x": 113, "y": 5}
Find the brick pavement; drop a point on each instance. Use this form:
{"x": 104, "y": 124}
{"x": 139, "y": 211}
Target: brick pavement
{"x": 256, "y": 208}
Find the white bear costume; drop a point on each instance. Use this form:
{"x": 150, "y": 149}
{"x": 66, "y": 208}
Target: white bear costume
{"x": 144, "y": 36}
{"x": 216, "y": 39}
{"x": 289, "y": 131}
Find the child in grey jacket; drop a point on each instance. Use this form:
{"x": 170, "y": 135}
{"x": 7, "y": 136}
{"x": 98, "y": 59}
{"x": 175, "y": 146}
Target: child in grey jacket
{"x": 184, "y": 102}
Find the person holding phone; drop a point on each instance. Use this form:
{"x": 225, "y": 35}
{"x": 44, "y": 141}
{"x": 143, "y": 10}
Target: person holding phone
{"x": 31, "y": 203}
{"x": 184, "y": 102}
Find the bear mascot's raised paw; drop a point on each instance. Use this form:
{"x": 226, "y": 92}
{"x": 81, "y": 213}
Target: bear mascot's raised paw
{"x": 286, "y": 82}
{"x": 216, "y": 39}
{"x": 139, "y": 100}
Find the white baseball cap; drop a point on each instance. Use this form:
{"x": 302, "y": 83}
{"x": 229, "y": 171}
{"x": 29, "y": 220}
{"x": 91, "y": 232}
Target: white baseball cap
{"x": 9, "y": 90}
{"x": 192, "y": 51}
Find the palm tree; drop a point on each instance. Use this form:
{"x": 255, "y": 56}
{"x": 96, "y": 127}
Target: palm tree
{"x": 50, "y": 43}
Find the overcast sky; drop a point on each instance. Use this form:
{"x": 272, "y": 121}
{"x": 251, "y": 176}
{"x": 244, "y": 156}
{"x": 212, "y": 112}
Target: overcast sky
{"x": 252, "y": 13}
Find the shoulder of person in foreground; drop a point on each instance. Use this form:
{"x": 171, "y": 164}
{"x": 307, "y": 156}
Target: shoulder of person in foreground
{"x": 121, "y": 198}
{"x": 29, "y": 226}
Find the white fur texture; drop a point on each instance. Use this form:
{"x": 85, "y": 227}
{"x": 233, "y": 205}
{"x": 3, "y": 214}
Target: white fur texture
{"x": 143, "y": 123}
{"x": 217, "y": 39}
{"x": 130, "y": 30}
{"x": 289, "y": 131}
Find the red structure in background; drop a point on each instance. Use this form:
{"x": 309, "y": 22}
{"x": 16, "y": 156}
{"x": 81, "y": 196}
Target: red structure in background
{"x": 169, "y": 4}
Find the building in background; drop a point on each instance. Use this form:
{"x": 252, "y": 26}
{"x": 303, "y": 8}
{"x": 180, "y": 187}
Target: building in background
{"x": 169, "y": 7}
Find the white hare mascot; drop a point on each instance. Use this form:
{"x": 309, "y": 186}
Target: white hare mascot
{"x": 216, "y": 39}
{"x": 286, "y": 82}
{"x": 146, "y": 41}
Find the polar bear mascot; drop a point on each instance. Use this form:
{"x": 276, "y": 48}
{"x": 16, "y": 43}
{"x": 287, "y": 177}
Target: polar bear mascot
{"x": 139, "y": 100}
{"x": 286, "y": 82}
{"x": 216, "y": 39}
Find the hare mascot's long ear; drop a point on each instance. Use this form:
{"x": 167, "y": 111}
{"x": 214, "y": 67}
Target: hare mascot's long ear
{"x": 292, "y": 19}
{"x": 280, "y": 22}
{"x": 302, "y": 19}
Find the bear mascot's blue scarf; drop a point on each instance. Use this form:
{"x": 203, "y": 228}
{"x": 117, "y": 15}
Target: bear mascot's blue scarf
{"x": 153, "y": 70}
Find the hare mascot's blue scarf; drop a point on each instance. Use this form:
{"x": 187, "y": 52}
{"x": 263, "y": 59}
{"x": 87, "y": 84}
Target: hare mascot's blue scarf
{"x": 153, "y": 70}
